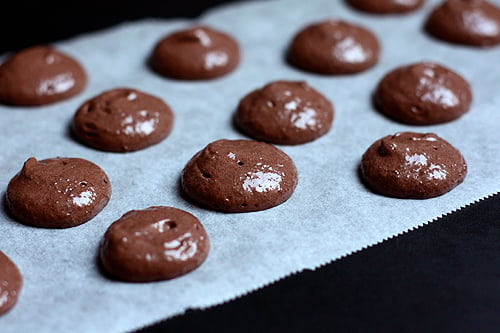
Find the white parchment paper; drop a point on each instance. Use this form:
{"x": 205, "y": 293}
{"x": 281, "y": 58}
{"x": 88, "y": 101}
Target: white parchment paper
{"x": 330, "y": 215}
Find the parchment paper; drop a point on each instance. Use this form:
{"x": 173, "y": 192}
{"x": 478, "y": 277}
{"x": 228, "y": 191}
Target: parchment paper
{"x": 330, "y": 215}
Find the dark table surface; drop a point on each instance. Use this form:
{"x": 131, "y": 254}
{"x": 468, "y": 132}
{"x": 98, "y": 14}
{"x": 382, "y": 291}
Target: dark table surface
{"x": 443, "y": 277}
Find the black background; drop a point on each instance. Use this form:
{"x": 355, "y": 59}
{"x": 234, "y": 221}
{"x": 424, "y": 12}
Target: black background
{"x": 24, "y": 23}
{"x": 443, "y": 277}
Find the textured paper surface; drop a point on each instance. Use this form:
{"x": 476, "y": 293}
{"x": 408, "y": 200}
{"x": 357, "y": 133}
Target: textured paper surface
{"x": 330, "y": 215}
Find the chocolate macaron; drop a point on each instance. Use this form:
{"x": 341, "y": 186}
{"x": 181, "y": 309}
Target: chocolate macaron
{"x": 334, "y": 47}
{"x": 40, "y": 75}
{"x": 123, "y": 120}
{"x": 412, "y": 165}
{"x": 386, "y": 6}
{"x": 58, "y": 192}
{"x": 11, "y": 282}
{"x": 157, "y": 243}
{"x": 239, "y": 176}
{"x": 468, "y": 22}
{"x": 423, "y": 93}
{"x": 198, "y": 53}
{"x": 285, "y": 112}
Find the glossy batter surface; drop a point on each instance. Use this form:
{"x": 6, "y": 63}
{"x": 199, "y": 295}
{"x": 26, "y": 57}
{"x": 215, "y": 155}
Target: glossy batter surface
{"x": 469, "y": 22}
{"x": 198, "y": 53}
{"x": 285, "y": 112}
{"x": 157, "y": 243}
{"x": 412, "y": 165}
{"x": 386, "y": 6}
{"x": 11, "y": 282}
{"x": 123, "y": 120}
{"x": 40, "y": 75}
{"x": 423, "y": 93}
{"x": 239, "y": 176}
{"x": 334, "y": 47}
{"x": 58, "y": 192}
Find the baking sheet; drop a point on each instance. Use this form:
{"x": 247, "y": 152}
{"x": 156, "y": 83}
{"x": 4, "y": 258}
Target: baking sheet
{"x": 330, "y": 215}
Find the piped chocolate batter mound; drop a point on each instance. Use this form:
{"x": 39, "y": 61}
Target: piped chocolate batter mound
{"x": 386, "y": 6}
{"x": 468, "y": 22}
{"x": 239, "y": 176}
{"x": 122, "y": 120}
{"x": 285, "y": 112}
{"x": 11, "y": 282}
{"x": 40, "y": 75}
{"x": 198, "y": 53}
{"x": 412, "y": 165}
{"x": 334, "y": 47}
{"x": 58, "y": 192}
{"x": 423, "y": 93}
{"x": 157, "y": 243}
